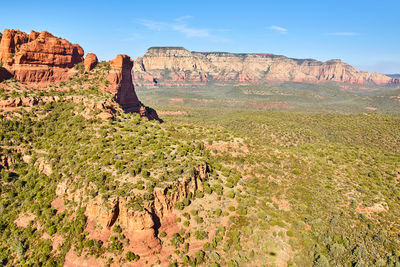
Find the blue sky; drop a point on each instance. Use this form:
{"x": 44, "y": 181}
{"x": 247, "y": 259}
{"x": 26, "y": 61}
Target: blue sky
{"x": 364, "y": 33}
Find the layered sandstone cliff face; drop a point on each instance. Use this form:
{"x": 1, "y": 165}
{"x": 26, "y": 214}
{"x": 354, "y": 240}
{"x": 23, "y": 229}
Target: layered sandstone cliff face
{"x": 140, "y": 226}
{"x": 38, "y": 57}
{"x": 120, "y": 79}
{"x": 171, "y": 66}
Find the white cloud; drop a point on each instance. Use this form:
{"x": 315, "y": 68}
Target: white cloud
{"x": 191, "y": 32}
{"x": 343, "y": 34}
{"x": 133, "y": 37}
{"x": 278, "y": 29}
{"x": 183, "y": 18}
{"x": 152, "y": 25}
{"x": 181, "y": 26}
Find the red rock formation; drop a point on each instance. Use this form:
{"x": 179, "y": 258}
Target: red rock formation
{"x": 176, "y": 66}
{"x": 121, "y": 83}
{"x": 141, "y": 227}
{"x": 120, "y": 78}
{"x": 90, "y": 62}
{"x": 38, "y": 57}
{"x": 11, "y": 41}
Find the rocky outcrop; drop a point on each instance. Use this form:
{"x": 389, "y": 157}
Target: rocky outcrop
{"x": 11, "y": 42}
{"x": 38, "y": 57}
{"x": 121, "y": 83}
{"x": 174, "y": 66}
{"x": 6, "y": 161}
{"x": 90, "y": 62}
{"x": 120, "y": 79}
{"x": 107, "y": 108}
{"x": 141, "y": 226}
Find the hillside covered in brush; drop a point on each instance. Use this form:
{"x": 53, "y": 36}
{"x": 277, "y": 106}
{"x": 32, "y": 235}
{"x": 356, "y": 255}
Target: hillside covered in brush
{"x": 90, "y": 176}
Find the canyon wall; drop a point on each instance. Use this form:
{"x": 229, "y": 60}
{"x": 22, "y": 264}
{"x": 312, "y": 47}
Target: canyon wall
{"x": 176, "y": 66}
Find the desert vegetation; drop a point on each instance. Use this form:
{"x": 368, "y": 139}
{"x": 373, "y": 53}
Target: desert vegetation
{"x": 284, "y": 188}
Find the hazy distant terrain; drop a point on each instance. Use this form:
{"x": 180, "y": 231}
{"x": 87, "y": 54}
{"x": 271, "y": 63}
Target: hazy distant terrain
{"x": 298, "y": 97}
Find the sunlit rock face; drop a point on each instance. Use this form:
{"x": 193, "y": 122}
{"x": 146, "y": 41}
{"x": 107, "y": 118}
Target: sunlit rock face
{"x": 120, "y": 79}
{"x": 174, "y": 66}
{"x": 38, "y": 58}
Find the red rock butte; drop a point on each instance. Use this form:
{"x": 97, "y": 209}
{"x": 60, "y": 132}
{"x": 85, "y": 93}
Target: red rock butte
{"x": 39, "y": 59}
{"x": 90, "y": 62}
{"x": 120, "y": 78}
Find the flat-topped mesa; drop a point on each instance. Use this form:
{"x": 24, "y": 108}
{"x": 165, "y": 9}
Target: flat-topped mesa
{"x": 38, "y": 58}
{"x": 120, "y": 78}
{"x": 174, "y": 66}
{"x": 170, "y": 51}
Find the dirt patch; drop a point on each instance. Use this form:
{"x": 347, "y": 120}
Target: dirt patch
{"x": 72, "y": 260}
{"x": 376, "y": 208}
{"x": 282, "y": 203}
{"x": 58, "y": 204}
{"x": 56, "y": 240}
{"x": 24, "y": 219}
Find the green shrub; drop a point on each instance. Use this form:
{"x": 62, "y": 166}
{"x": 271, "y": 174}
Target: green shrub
{"x": 130, "y": 256}
{"x": 231, "y": 194}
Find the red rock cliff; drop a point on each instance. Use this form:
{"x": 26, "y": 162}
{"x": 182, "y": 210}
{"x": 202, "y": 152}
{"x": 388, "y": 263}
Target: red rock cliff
{"x": 120, "y": 78}
{"x": 38, "y": 57}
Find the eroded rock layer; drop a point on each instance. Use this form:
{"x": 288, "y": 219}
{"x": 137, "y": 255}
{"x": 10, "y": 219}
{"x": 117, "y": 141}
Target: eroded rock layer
{"x": 139, "y": 225}
{"x": 120, "y": 79}
{"x": 38, "y": 57}
{"x": 172, "y": 66}
{"x": 90, "y": 61}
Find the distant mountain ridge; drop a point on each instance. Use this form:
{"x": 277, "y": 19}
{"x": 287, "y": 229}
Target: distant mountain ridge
{"x": 176, "y": 66}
